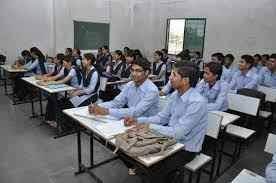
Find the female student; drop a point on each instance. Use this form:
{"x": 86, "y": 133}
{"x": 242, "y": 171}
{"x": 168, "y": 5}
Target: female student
{"x": 58, "y": 61}
{"x": 77, "y": 57}
{"x": 67, "y": 75}
{"x": 130, "y": 57}
{"x": 27, "y": 56}
{"x": 38, "y": 66}
{"x": 69, "y": 51}
{"x": 159, "y": 67}
{"x": 245, "y": 77}
{"x": 119, "y": 64}
{"x": 212, "y": 88}
{"x": 87, "y": 92}
{"x": 105, "y": 59}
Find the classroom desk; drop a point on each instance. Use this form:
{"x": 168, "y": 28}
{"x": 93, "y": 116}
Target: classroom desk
{"x": 7, "y": 71}
{"x": 102, "y": 128}
{"x": 247, "y": 176}
{"x": 52, "y": 90}
{"x": 126, "y": 80}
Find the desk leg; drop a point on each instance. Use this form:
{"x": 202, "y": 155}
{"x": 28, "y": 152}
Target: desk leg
{"x": 91, "y": 149}
{"x": 220, "y": 153}
{"x": 5, "y": 83}
{"x": 80, "y": 169}
{"x": 32, "y": 106}
{"x": 40, "y": 103}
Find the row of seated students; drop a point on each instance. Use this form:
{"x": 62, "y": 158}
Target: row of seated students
{"x": 185, "y": 116}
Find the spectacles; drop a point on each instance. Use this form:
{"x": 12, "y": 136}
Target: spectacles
{"x": 136, "y": 70}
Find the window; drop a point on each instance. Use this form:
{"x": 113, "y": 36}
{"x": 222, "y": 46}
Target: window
{"x": 185, "y": 33}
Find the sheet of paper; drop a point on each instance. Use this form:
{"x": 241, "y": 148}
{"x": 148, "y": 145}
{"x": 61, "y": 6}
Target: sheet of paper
{"x": 84, "y": 113}
{"x": 247, "y": 176}
{"x": 109, "y": 130}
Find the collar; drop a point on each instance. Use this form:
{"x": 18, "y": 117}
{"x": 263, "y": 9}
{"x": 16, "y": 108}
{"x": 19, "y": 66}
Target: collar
{"x": 143, "y": 87}
{"x": 187, "y": 94}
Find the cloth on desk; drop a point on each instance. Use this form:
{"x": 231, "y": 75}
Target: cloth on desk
{"x": 140, "y": 142}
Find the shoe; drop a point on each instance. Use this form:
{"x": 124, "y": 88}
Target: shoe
{"x": 52, "y": 123}
{"x": 131, "y": 171}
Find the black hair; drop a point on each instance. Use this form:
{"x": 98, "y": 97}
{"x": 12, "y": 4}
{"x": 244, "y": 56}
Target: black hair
{"x": 105, "y": 47}
{"x": 188, "y": 69}
{"x": 144, "y": 63}
{"x": 130, "y": 53}
{"x": 258, "y": 56}
{"x": 215, "y": 68}
{"x": 25, "y": 53}
{"x": 60, "y": 56}
{"x": 37, "y": 52}
{"x": 165, "y": 50}
{"x": 120, "y": 53}
{"x": 273, "y": 56}
{"x": 70, "y": 50}
{"x": 219, "y": 56}
{"x": 198, "y": 53}
{"x": 78, "y": 51}
{"x": 248, "y": 59}
{"x": 159, "y": 53}
{"x": 126, "y": 49}
{"x": 230, "y": 56}
{"x": 138, "y": 53}
{"x": 68, "y": 58}
{"x": 266, "y": 56}
{"x": 90, "y": 56}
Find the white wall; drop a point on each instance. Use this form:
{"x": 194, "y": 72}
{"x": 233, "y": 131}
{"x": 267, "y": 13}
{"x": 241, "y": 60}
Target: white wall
{"x": 235, "y": 26}
{"x": 48, "y": 24}
{"x": 25, "y": 24}
{"x": 66, "y": 11}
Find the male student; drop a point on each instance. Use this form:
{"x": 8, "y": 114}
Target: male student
{"x": 139, "y": 96}
{"x": 270, "y": 172}
{"x": 245, "y": 77}
{"x": 168, "y": 87}
{"x": 267, "y": 75}
{"x": 184, "y": 118}
{"x": 213, "y": 88}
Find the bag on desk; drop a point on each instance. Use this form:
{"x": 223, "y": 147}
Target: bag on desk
{"x": 142, "y": 141}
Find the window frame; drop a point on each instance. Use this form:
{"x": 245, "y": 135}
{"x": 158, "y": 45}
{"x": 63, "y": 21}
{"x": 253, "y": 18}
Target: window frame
{"x": 168, "y": 28}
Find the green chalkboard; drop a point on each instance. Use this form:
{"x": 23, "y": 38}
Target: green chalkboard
{"x": 194, "y": 34}
{"x": 89, "y": 35}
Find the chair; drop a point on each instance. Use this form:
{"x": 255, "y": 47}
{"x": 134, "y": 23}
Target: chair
{"x": 260, "y": 95}
{"x": 245, "y": 105}
{"x": 270, "y": 146}
{"x": 270, "y": 97}
{"x": 201, "y": 160}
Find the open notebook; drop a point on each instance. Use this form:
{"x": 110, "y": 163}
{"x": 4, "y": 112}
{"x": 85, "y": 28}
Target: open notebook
{"x": 56, "y": 86}
{"x": 107, "y": 126}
